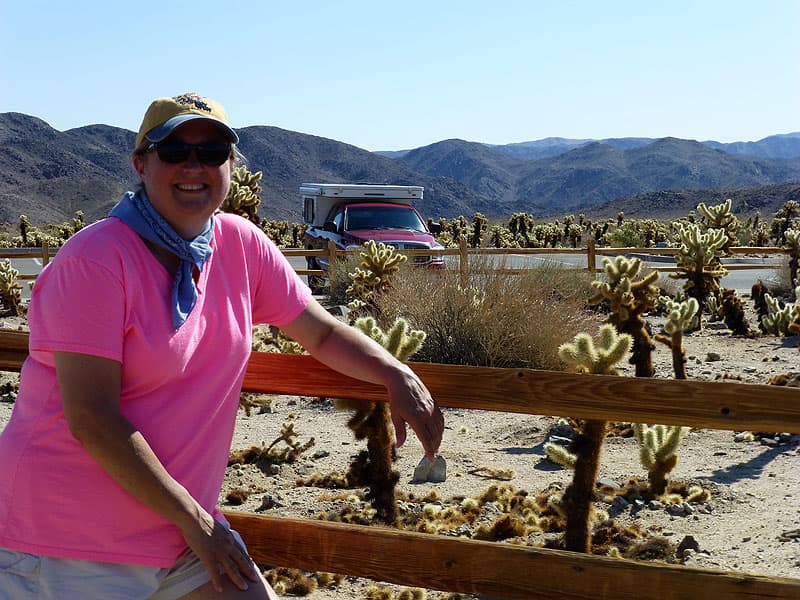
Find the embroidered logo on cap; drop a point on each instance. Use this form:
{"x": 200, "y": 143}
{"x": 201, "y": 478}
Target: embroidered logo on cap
{"x": 193, "y": 99}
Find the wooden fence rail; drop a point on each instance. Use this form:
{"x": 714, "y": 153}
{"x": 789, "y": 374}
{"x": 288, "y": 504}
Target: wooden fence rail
{"x": 494, "y": 569}
{"x": 466, "y": 255}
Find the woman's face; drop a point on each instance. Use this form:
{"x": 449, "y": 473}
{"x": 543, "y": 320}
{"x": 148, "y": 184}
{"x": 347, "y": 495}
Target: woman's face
{"x": 186, "y": 194}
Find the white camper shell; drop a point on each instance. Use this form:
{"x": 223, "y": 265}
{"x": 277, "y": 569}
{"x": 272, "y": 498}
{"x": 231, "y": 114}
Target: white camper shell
{"x": 320, "y": 198}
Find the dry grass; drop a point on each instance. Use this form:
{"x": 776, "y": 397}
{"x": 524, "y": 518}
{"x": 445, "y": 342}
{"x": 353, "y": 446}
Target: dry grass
{"x": 495, "y": 319}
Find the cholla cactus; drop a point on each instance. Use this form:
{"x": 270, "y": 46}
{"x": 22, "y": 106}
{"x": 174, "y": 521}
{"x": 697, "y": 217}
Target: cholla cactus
{"x": 10, "y": 290}
{"x": 792, "y": 246}
{"x": 379, "y": 263}
{"x": 721, "y": 217}
{"x": 585, "y": 357}
{"x": 658, "y": 452}
{"x": 779, "y": 319}
{"x": 681, "y": 317}
{"x": 244, "y": 197}
{"x": 373, "y": 421}
{"x": 629, "y": 300}
{"x": 698, "y": 262}
{"x": 401, "y": 341}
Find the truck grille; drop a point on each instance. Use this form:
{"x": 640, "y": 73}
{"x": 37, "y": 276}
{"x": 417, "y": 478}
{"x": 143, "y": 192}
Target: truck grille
{"x": 418, "y": 259}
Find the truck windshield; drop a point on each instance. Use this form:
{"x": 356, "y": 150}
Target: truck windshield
{"x": 382, "y": 217}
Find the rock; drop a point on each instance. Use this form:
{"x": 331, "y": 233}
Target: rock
{"x": 320, "y": 454}
{"x": 270, "y": 501}
{"x": 607, "y": 482}
{"x": 432, "y": 472}
{"x": 620, "y": 502}
{"x": 713, "y": 357}
{"x": 687, "y": 543}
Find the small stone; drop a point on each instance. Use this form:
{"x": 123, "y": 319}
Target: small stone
{"x": 620, "y": 502}
{"x": 744, "y": 436}
{"x": 713, "y": 357}
{"x": 432, "y": 472}
{"x": 655, "y": 505}
{"x": 320, "y": 454}
{"x": 274, "y": 469}
{"x": 608, "y": 482}
{"x": 688, "y": 543}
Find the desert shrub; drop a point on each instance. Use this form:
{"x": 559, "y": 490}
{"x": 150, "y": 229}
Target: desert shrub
{"x": 494, "y": 319}
{"x": 340, "y": 280}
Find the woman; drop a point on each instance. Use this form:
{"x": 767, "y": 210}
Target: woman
{"x": 114, "y": 456}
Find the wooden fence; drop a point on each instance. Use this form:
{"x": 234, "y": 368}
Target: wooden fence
{"x": 495, "y": 569}
{"x": 465, "y": 255}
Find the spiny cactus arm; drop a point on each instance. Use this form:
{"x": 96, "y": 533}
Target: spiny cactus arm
{"x": 792, "y": 240}
{"x": 719, "y": 215}
{"x": 412, "y": 343}
{"x": 370, "y": 327}
{"x": 681, "y": 315}
{"x": 585, "y": 357}
{"x": 560, "y": 455}
{"x": 579, "y": 353}
{"x": 401, "y": 341}
{"x": 669, "y": 438}
{"x": 380, "y": 258}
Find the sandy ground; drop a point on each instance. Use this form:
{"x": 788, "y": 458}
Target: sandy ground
{"x": 751, "y": 523}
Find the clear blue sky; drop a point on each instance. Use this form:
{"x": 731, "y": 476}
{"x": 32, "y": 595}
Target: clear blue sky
{"x": 388, "y": 75}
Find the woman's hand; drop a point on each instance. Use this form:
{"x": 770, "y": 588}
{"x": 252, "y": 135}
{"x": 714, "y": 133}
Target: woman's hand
{"x": 220, "y": 552}
{"x": 410, "y": 402}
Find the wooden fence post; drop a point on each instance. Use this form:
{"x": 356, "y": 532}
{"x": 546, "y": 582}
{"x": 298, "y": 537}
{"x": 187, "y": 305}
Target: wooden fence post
{"x": 591, "y": 256}
{"x": 463, "y": 262}
{"x": 331, "y": 254}
{"x": 45, "y": 253}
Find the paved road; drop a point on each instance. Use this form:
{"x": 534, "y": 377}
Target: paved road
{"x": 737, "y": 280}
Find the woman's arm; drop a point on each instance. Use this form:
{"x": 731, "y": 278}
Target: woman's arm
{"x": 90, "y": 388}
{"x": 352, "y": 353}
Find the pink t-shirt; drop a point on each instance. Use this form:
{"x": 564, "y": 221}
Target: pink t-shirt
{"x": 106, "y": 295}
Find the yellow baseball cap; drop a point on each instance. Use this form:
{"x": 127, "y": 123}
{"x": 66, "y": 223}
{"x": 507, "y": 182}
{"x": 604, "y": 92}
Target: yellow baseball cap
{"x": 164, "y": 115}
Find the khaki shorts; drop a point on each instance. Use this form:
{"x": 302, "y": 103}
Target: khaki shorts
{"x": 31, "y": 577}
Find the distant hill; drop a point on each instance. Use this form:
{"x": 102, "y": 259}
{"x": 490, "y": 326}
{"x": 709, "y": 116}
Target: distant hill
{"x": 595, "y": 173}
{"x": 766, "y": 200}
{"x": 48, "y": 175}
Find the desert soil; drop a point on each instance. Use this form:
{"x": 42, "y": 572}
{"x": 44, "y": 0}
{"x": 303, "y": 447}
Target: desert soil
{"x": 751, "y": 523}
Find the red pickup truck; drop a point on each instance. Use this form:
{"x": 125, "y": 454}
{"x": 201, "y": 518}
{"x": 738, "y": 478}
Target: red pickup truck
{"x": 351, "y": 214}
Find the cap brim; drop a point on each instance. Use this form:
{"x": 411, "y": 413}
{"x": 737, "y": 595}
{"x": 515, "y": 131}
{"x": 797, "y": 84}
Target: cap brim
{"x": 163, "y": 131}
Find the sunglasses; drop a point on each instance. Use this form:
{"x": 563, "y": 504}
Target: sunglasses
{"x": 212, "y": 155}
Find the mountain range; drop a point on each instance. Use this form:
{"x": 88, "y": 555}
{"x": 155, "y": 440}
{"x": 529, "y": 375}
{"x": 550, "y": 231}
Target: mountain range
{"x": 48, "y": 175}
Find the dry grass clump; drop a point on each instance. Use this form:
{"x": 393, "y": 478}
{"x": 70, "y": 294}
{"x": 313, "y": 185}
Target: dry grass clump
{"x": 494, "y": 319}
{"x": 339, "y": 278}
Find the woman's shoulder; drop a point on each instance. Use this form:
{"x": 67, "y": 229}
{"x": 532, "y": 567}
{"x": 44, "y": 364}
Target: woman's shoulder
{"x": 101, "y": 238}
{"x": 230, "y": 225}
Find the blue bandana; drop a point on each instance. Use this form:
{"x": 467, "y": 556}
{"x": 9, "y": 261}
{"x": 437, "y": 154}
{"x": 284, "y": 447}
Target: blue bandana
{"x": 137, "y": 213}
